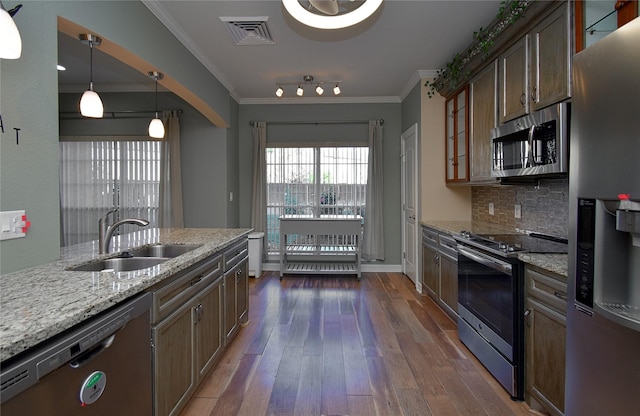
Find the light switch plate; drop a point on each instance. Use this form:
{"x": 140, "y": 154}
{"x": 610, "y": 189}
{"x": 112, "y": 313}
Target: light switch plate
{"x": 518, "y": 211}
{"x": 11, "y": 224}
{"x": 491, "y": 208}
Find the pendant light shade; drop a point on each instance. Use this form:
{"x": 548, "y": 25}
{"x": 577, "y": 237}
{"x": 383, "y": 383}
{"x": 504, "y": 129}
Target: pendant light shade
{"x": 10, "y": 41}
{"x": 156, "y": 127}
{"x": 90, "y": 103}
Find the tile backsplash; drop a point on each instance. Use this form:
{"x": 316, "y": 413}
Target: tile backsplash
{"x": 544, "y": 206}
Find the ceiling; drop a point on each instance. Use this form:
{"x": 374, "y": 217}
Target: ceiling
{"x": 378, "y": 60}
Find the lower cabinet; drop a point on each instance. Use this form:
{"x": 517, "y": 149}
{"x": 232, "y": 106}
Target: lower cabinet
{"x": 430, "y": 271}
{"x": 440, "y": 269}
{"x": 449, "y": 283}
{"x": 236, "y": 290}
{"x": 196, "y": 313}
{"x": 186, "y": 345}
{"x": 545, "y": 335}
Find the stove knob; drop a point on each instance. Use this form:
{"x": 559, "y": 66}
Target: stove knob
{"x": 503, "y": 246}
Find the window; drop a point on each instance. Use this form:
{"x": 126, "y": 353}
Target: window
{"x": 98, "y": 176}
{"x": 314, "y": 181}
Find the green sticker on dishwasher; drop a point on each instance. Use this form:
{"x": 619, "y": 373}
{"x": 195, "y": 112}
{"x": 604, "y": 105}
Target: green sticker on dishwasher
{"x": 93, "y": 379}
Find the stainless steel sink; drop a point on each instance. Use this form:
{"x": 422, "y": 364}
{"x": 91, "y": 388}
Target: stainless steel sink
{"x": 162, "y": 250}
{"x": 119, "y": 264}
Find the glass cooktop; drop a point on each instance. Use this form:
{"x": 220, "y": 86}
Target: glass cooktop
{"x": 511, "y": 244}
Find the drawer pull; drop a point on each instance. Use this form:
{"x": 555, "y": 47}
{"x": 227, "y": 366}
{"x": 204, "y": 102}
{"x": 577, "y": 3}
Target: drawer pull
{"x": 560, "y": 295}
{"x": 197, "y": 280}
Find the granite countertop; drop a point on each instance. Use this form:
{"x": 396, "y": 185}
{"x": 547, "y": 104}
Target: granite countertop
{"x": 556, "y": 263}
{"x": 42, "y": 301}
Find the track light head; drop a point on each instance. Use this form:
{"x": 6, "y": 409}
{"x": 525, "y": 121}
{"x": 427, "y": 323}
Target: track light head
{"x": 319, "y": 90}
{"x": 300, "y": 91}
{"x": 279, "y": 92}
{"x": 336, "y": 90}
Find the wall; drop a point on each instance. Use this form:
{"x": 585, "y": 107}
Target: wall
{"x": 333, "y": 112}
{"x": 438, "y": 202}
{"x": 29, "y": 101}
{"x": 545, "y": 206}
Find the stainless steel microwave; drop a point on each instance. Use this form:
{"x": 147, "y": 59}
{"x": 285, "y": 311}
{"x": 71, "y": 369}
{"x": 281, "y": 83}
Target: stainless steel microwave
{"x": 536, "y": 144}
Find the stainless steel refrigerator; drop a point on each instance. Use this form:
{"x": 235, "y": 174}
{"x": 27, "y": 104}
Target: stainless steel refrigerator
{"x": 603, "y": 310}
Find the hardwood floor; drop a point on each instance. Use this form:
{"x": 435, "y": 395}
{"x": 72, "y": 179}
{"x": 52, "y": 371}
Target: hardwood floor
{"x": 335, "y": 346}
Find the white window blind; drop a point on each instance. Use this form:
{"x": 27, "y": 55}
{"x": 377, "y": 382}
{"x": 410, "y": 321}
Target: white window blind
{"x": 98, "y": 176}
{"x": 314, "y": 181}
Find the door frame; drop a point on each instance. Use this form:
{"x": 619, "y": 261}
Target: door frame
{"x": 413, "y": 130}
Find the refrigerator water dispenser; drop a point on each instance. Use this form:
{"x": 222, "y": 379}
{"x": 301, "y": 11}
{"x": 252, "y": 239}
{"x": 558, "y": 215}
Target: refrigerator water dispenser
{"x": 616, "y": 263}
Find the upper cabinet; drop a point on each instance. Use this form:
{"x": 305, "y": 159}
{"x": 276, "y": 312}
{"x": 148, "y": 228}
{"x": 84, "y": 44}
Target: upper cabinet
{"x": 457, "y": 137}
{"x": 483, "y": 117}
{"x": 535, "y": 70}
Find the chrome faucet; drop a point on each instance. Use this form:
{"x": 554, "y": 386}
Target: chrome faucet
{"x": 105, "y": 232}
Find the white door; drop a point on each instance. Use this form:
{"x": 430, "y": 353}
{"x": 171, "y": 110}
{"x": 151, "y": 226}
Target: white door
{"x": 410, "y": 228}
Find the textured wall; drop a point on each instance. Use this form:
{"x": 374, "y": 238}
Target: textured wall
{"x": 545, "y": 208}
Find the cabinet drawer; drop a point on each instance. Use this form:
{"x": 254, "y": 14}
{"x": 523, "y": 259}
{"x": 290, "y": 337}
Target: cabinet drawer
{"x": 182, "y": 288}
{"x": 547, "y": 289}
{"x": 429, "y": 237}
{"x": 235, "y": 254}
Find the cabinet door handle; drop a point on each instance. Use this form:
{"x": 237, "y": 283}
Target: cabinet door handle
{"x": 527, "y": 313}
{"x": 534, "y": 95}
{"x": 523, "y": 99}
{"x": 560, "y": 295}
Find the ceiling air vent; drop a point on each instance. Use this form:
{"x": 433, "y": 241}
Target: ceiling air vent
{"x": 249, "y": 30}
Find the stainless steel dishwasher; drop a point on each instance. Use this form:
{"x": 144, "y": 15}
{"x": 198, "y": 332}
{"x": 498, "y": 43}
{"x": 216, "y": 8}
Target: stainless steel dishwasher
{"x": 100, "y": 367}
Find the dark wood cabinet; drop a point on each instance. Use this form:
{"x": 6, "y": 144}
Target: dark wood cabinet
{"x": 457, "y": 137}
{"x": 545, "y": 339}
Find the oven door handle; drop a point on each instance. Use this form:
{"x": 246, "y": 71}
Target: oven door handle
{"x": 485, "y": 260}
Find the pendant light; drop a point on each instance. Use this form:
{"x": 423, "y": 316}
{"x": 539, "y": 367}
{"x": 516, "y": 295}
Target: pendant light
{"x": 90, "y": 103}
{"x": 10, "y": 41}
{"x": 156, "y": 128}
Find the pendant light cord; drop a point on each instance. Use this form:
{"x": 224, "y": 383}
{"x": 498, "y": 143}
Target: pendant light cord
{"x": 91, "y": 65}
{"x": 156, "y": 97}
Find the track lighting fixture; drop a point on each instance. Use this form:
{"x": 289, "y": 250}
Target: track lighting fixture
{"x": 90, "y": 103}
{"x": 307, "y": 80}
{"x": 156, "y": 127}
{"x": 10, "y": 41}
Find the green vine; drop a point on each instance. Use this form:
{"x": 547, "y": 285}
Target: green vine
{"x": 483, "y": 39}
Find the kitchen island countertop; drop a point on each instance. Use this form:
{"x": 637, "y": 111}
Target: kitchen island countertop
{"x": 40, "y": 302}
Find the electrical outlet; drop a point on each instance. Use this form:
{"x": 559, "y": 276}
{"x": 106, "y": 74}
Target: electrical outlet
{"x": 518, "y": 211}
{"x": 491, "y": 208}
{"x": 13, "y": 224}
